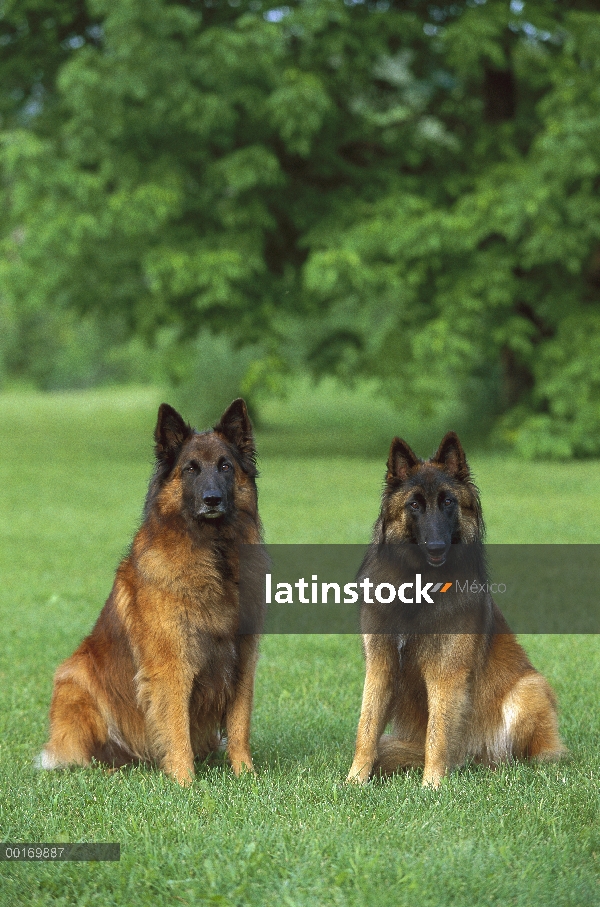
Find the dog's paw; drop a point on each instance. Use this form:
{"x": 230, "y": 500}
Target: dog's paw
{"x": 242, "y": 766}
{"x": 432, "y": 780}
{"x": 183, "y": 774}
{"x": 358, "y": 775}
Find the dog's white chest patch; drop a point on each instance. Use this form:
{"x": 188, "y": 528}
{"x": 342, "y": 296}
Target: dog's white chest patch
{"x": 400, "y": 643}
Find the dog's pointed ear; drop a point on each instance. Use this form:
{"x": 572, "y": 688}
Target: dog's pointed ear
{"x": 451, "y": 457}
{"x": 170, "y": 433}
{"x": 236, "y": 426}
{"x": 400, "y": 461}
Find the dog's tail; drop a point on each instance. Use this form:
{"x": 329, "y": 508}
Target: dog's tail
{"x": 394, "y": 754}
{"x": 47, "y": 761}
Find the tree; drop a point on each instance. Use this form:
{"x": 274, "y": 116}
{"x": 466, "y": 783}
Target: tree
{"x": 392, "y": 189}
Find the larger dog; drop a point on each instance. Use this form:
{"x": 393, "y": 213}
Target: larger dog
{"x": 164, "y": 671}
{"x": 451, "y": 696}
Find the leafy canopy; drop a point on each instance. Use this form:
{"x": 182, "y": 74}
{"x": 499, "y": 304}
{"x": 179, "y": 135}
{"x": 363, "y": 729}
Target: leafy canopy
{"x": 392, "y": 189}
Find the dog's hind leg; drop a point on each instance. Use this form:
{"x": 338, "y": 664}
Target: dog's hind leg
{"x": 394, "y": 754}
{"x": 78, "y": 732}
{"x": 530, "y": 718}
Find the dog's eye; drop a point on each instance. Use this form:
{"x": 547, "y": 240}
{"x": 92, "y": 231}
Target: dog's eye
{"x": 414, "y": 505}
{"x": 225, "y": 466}
{"x": 448, "y": 502}
{"x": 191, "y": 467}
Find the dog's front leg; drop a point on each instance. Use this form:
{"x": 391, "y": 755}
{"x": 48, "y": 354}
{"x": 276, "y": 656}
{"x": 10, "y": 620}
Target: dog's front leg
{"x": 163, "y": 693}
{"x": 381, "y": 657}
{"x": 448, "y": 700}
{"x": 239, "y": 711}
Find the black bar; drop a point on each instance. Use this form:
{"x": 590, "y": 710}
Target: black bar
{"x": 57, "y": 853}
{"x": 315, "y": 589}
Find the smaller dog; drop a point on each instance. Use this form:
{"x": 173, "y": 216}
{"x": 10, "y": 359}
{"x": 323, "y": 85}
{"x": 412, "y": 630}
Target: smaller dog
{"x": 451, "y": 696}
{"x": 164, "y": 669}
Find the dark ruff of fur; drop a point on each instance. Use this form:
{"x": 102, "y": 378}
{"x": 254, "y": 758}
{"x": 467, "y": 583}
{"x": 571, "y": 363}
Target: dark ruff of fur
{"x": 164, "y": 671}
{"x": 451, "y": 697}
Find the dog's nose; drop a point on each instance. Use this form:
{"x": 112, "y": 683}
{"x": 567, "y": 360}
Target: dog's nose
{"x": 435, "y": 547}
{"x": 212, "y": 498}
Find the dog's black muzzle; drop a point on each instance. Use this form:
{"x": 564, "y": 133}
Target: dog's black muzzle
{"x": 213, "y": 505}
{"x": 436, "y": 553}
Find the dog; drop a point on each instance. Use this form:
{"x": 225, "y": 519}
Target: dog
{"x": 451, "y": 696}
{"x": 164, "y": 671}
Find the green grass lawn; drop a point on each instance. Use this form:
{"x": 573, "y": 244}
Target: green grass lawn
{"x": 73, "y": 473}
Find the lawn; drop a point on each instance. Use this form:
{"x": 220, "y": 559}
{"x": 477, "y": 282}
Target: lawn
{"x": 73, "y": 473}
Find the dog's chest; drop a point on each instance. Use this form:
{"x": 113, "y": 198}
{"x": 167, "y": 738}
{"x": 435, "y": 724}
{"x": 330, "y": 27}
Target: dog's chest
{"x": 215, "y": 661}
{"x": 400, "y": 646}
{"x": 210, "y": 608}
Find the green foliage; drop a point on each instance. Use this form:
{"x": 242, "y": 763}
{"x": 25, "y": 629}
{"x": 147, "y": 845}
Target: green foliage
{"x": 567, "y": 390}
{"x": 402, "y": 191}
{"x": 212, "y": 373}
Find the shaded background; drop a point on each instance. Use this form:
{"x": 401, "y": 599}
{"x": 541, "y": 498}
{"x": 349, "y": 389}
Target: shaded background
{"x": 226, "y": 196}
